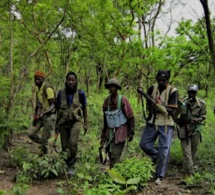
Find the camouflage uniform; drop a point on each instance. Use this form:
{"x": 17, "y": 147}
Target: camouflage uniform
{"x": 190, "y": 132}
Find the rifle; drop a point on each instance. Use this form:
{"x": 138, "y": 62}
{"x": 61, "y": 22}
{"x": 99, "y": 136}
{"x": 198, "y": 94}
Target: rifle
{"x": 35, "y": 120}
{"x": 181, "y": 103}
{"x": 160, "y": 107}
{"x": 195, "y": 121}
{"x": 55, "y": 140}
{"x": 103, "y": 149}
{"x": 36, "y": 115}
{"x": 187, "y": 129}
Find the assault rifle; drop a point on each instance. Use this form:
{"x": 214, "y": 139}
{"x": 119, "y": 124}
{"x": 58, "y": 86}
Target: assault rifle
{"x": 194, "y": 121}
{"x": 160, "y": 107}
{"x": 55, "y": 139}
{"x": 181, "y": 103}
{"x": 35, "y": 120}
{"x": 36, "y": 115}
{"x": 103, "y": 149}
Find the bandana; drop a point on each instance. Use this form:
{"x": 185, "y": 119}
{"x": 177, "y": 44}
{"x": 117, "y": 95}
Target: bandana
{"x": 39, "y": 73}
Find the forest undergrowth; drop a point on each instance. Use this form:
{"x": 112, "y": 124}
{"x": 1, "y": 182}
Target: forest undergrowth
{"x": 24, "y": 172}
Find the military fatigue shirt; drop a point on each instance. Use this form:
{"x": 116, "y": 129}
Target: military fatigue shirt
{"x": 196, "y": 109}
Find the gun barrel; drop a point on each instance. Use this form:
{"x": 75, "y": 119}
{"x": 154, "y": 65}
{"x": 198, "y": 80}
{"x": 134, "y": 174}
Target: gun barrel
{"x": 140, "y": 90}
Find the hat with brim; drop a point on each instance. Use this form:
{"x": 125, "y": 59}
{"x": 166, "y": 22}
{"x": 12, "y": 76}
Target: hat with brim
{"x": 113, "y": 81}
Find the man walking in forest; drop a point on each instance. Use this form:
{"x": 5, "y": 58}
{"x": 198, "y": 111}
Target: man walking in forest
{"x": 192, "y": 114}
{"x": 118, "y": 122}
{"x": 44, "y": 112}
{"x": 71, "y": 108}
{"x": 160, "y": 123}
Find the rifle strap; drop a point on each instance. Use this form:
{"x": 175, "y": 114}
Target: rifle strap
{"x": 119, "y": 101}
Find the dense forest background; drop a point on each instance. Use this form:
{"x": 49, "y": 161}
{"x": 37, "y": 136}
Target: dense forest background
{"x": 98, "y": 39}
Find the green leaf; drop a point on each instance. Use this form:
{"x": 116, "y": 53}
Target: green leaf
{"x": 133, "y": 181}
{"x": 127, "y": 190}
{"x": 116, "y": 177}
{"x": 87, "y": 165}
{"x": 88, "y": 177}
{"x": 81, "y": 175}
{"x": 54, "y": 171}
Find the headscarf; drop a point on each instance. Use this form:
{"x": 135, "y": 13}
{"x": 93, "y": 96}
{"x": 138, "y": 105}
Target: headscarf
{"x": 39, "y": 73}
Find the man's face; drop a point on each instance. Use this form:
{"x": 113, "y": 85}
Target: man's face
{"x": 192, "y": 94}
{"x": 71, "y": 82}
{"x": 38, "y": 80}
{"x": 112, "y": 88}
{"x": 162, "y": 81}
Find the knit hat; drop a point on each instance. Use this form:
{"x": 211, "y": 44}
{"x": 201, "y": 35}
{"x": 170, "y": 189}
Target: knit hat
{"x": 163, "y": 73}
{"x": 39, "y": 73}
{"x": 113, "y": 81}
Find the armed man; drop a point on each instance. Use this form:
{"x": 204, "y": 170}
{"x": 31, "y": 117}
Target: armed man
{"x": 190, "y": 121}
{"x": 44, "y": 113}
{"x": 159, "y": 123}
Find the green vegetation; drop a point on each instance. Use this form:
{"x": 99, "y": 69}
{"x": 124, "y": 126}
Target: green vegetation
{"x": 98, "y": 40}
{"x": 132, "y": 174}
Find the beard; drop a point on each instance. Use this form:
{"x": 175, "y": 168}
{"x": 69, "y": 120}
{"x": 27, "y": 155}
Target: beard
{"x": 70, "y": 90}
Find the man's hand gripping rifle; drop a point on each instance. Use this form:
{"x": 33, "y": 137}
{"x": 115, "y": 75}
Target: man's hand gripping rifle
{"x": 159, "y": 106}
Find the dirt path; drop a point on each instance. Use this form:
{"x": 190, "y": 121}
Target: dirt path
{"x": 171, "y": 184}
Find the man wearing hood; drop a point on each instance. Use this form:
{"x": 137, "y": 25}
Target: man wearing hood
{"x": 160, "y": 124}
{"x": 71, "y": 108}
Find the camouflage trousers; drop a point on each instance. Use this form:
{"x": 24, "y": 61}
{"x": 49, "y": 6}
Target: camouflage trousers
{"x": 189, "y": 148}
{"x": 46, "y": 123}
{"x": 69, "y": 135}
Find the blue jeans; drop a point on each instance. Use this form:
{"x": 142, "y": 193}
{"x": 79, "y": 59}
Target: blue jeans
{"x": 160, "y": 155}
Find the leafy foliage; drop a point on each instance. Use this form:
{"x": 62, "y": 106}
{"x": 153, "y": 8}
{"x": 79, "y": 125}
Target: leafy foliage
{"x": 136, "y": 168}
{"x": 120, "y": 37}
{"x": 42, "y": 167}
{"x": 196, "y": 179}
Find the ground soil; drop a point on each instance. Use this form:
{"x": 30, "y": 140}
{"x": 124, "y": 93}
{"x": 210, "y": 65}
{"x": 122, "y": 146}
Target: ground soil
{"x": 171, "y": 185}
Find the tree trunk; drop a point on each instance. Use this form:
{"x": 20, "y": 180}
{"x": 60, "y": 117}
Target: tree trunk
{"x": 209, "y": 31}
{"x": 8, "y": 137}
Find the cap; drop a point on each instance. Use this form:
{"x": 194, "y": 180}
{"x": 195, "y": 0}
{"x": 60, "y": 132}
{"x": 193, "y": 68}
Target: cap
{"x": 163, "y": 73}
{"x": 193, "y": 87}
